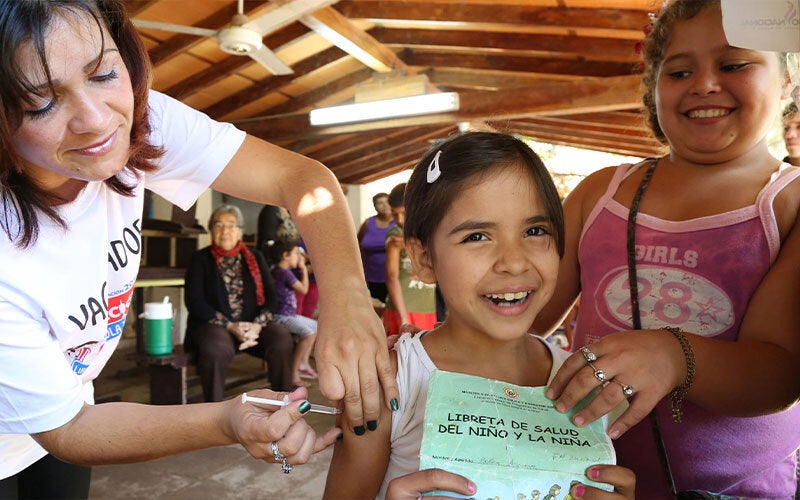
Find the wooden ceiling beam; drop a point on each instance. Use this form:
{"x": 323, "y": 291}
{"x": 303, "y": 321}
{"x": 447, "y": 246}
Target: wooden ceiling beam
{"x": 351, "y": 162}
{"x": 404, "y": 153}
{"x": 581, "y": 48}
{"x": 644, "y": 5}
{"x": 367, "y": 142}
{"x": 458, "y": 12}
{"x": 618, "y": 119}
{"x": 489, "y": 80}
{"x": 618, "y": 147}
{"x": 134, "y": 7}
{"x": 514, "y": 63}
{"x": 338, "y": 30}
{"x": 310, "y": 146}
{"x": 176, "y": 44}
{"x": 272, "y": 83}
{"x": 555, "y": 98}
{"x": 407, "y": 164}
{"x": 583, "y": 135}
{"x": 307, "y": 99}
{"x": 568, "y": 123}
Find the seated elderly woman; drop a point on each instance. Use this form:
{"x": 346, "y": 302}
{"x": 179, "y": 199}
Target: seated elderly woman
{"x": 230, "y": 296}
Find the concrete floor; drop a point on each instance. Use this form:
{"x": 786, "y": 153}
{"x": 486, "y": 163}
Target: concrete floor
{"x": 218, "y": 473}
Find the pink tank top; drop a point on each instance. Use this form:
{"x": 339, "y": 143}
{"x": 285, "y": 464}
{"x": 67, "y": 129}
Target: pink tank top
{"x": 697, "y": 275}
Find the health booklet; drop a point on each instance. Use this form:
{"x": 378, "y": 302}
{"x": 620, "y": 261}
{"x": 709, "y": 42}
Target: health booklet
{"x": 510, "y": 440}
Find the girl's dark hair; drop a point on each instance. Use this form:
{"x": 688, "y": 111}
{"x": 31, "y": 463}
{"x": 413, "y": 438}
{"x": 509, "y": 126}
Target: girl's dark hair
{"x": 463, "y": 161}
{"x": 276, "y": 249}
{"x": 26, "y": 22}
{"x": 655, "y": 44}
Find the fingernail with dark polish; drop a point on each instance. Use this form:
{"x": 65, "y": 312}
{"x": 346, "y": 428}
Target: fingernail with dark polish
{"x": 394, "y": 404}
{"x": 372, "y": 425}
{"x": 304, "y": 407}
{"x": 340, "y": 437}
{"x": 359, "y": 430}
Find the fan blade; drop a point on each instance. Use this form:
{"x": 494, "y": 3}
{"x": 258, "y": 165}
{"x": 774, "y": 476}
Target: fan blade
{"x": 177, "y": 28}
{"x": 285, "y": 14}
{"x": 269, "y": 60}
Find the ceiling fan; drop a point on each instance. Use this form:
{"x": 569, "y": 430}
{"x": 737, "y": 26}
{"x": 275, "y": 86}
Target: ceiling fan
{"x": 244, "y": 37}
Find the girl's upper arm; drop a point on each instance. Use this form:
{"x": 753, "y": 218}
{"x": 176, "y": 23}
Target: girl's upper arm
{"x": 773, "y": 314}
{"x": 392, "y": 260}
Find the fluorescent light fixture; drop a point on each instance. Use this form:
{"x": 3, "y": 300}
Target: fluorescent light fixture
{"x": 386, "y": 108}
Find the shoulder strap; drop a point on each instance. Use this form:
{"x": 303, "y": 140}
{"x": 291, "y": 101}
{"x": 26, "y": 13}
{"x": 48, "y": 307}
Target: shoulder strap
{"x": 784, "y": 176}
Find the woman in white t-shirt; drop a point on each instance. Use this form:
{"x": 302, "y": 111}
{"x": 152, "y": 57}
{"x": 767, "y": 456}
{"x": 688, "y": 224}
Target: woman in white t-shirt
{"x": 81, "y": 138}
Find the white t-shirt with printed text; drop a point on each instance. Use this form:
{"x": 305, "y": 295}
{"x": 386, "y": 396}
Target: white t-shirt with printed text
{"x": 64, "y": 300}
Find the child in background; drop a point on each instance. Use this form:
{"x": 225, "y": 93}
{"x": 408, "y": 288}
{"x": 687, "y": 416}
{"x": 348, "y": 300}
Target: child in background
{"x": 410, "y": 301}
{"x": 485, "y": 223}
{"x": 306, "y": 302}
{"x": 791, "y": 133}
{"x": 703, "y": 254}
{"x": 286, "y": 256}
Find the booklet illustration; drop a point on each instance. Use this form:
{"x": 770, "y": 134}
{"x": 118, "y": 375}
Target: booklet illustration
{"x": 510, "y": 440}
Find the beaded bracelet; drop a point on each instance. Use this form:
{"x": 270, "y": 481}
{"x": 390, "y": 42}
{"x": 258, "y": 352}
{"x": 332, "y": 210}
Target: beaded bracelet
{"x": 677, "y": 394}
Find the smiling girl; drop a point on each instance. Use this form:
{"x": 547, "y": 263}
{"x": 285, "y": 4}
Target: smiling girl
{"x": 687, "y": 271}
{"x": 484, "y": 222}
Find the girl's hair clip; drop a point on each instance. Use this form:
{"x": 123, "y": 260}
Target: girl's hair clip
{"x": 434, "y": 172}
{"x": 270, "y": 243}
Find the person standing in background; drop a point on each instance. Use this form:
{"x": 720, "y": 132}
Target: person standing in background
{"x": 791, "y": 133}
{"x": 372, "y": 241}
{"x": 273, "y": 223}
{"x": 409, "y": 300}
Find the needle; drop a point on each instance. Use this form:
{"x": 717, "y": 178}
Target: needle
{"x": 329, "y": 410}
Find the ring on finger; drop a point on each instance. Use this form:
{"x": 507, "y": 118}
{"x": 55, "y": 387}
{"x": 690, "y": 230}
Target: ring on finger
{"x": 627, "y": 390}
{"x": 276, "y": 452}
{"x": 600, "y": 375}
{"x": 280, "y": 457}
{"x": 588, "y": 355}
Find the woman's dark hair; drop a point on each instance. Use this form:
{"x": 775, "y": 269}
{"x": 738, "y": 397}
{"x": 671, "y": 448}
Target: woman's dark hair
{"x": 464, "y": 160}
{"x": 378, "y": 197}
{"x": 27, "y": 22}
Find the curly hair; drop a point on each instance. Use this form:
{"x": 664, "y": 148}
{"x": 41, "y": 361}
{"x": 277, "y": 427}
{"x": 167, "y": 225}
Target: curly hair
{"x": 655, "y": 45}
{"x": 789, "y": 110}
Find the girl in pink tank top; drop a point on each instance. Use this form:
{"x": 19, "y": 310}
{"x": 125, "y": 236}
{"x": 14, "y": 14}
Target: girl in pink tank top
{"x": 687, "y": 271}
